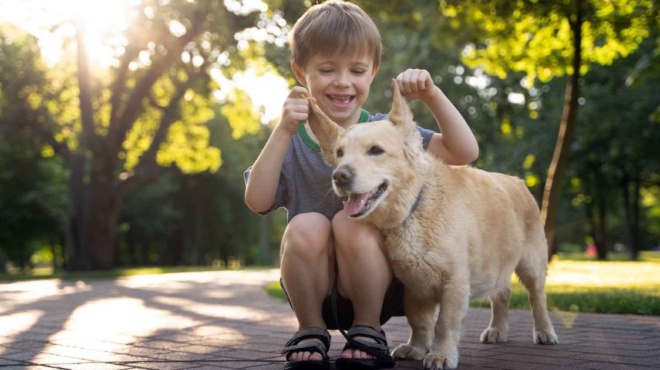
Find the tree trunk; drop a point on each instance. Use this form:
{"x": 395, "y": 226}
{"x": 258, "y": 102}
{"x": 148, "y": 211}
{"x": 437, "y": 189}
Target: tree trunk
{"x": 601, "y": 244}
{"x": 73, "y": 260}
{"x": 595, "y": 221}
{"x": 631, "y": 214}
{"x": 100, "y": 213}
{"x": 552, "y": 190}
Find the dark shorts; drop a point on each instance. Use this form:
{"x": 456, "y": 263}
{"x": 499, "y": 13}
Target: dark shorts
{"x": 392, "y": 306}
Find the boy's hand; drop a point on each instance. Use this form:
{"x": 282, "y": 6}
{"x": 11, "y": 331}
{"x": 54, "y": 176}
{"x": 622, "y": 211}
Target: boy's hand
{"x": 295, "y": 110}
{"x": 416, "y": 84}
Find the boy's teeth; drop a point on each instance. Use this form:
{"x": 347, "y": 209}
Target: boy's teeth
{"x": 341, "y": 99}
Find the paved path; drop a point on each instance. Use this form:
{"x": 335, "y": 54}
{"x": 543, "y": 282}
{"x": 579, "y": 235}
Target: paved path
{"x": 225, "y": 320}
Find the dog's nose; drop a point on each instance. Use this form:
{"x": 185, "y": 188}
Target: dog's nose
{"x": 342, "y": 176}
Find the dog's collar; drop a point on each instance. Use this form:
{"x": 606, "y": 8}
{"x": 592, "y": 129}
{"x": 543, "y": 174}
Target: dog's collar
{"x": 414, "y": 206}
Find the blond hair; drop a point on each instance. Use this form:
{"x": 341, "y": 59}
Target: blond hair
{"x": 331, "y": 28}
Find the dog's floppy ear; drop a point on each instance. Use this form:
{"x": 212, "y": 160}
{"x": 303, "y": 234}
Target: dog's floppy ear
{"x": 327, "y": 132}
{"x": 400, "y": 115}
{"x": 402, "y": 118}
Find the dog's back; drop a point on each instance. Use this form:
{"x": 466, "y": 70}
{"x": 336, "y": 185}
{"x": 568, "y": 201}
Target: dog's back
{"x": 492, "y": 214}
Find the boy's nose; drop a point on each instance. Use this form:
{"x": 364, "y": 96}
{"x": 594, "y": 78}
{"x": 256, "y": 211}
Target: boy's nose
{"x": 342, "y": 81}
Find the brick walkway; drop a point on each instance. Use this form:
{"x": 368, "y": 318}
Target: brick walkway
{"x": 225, "y": 320}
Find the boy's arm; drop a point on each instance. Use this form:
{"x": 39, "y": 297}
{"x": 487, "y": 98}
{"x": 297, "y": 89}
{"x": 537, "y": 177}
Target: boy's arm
{"x": 455, "y": 145}
{"x": 261, "y": 185}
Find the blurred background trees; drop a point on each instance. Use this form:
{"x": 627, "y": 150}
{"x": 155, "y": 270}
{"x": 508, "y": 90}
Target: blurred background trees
{"x": 129, "y": 149}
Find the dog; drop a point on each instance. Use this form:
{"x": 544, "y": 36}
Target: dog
{"x": 452, "y": 233}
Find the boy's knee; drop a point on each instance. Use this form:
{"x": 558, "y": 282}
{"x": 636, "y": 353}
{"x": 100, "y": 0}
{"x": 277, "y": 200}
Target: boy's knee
{"x": 349, "y": 233}
{"x": 307, "y": 233}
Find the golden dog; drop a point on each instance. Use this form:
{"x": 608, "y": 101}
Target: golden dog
{"x": 451, "y": 233}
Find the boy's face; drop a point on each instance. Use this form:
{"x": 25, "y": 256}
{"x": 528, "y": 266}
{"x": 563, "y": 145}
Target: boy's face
{"x": 340, "y": 84}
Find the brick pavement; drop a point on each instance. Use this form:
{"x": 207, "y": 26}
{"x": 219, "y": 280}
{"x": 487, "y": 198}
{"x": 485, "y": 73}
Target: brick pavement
{"x": 225, "y": 320}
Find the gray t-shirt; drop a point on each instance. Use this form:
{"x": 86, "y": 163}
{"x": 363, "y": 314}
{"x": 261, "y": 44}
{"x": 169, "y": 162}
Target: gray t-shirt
{"x": 306, "y": 180}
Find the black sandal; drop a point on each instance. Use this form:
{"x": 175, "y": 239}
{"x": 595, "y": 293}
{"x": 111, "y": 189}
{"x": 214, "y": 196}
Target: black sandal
{"x": 294, "y": 345}
{"x": 379, "y": 349}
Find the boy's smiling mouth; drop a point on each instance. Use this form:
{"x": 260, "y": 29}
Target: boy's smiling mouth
{"x": 341, "y": 99}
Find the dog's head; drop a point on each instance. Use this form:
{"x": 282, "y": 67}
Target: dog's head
{"x": 377, "y": 164}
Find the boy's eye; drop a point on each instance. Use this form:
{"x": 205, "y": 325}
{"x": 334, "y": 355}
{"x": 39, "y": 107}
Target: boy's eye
{"x": 376, "y": 150}
{"x": 359, "y": 71}
{"x": 326, "y": 70}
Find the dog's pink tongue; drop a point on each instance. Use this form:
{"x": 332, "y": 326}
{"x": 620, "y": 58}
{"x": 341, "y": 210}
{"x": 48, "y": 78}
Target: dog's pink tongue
{"x": 355, "y": 203}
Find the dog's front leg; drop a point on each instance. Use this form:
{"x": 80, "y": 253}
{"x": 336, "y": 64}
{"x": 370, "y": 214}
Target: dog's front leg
{"x": 421, "y": 315}
{"x": 453, "y": 309}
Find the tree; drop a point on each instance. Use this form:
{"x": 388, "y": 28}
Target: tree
{"x": 149, "y": 112}
{"x": 546, "y": 39}
{"x": 616, "y": 145}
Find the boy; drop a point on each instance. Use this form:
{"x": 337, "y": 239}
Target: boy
{"x": 336, "y": 52}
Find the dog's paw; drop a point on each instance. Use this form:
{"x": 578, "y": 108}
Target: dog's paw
{"x": 545, "y": 337}
{"x": 493, "y": 335}
{"x": 408, "y": 352}
{"x": 440, "y": 361}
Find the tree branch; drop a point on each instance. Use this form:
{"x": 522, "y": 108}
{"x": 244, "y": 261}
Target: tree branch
{"x": 147, "y": 169}
{"x": 118, "y": 87}
{"x": 134, "y": 107}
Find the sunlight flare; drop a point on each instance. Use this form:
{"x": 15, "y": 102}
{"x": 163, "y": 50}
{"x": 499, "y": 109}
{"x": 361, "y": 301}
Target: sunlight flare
{"x": 53, "y": 22}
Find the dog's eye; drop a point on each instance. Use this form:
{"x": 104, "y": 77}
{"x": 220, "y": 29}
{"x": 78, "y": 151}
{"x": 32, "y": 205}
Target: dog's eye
{"x": 340, "y": 153}
{"x": 376, "y": 150}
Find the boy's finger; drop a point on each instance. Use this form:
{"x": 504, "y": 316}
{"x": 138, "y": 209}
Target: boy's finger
{"x": 299, "y": 92}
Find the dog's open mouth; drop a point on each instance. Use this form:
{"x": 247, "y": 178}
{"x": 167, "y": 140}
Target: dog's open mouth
{"x": 359, "y": 205}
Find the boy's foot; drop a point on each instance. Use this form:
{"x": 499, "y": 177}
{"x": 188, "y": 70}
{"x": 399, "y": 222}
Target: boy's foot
{"x": 356, "y": 353}
{"x": 308, "y": 349}
{"x": 367, "y": 349}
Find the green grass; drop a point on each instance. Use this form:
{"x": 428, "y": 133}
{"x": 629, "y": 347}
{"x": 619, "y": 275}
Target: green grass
{"x": 275, "y": 290}
{"x": 576, "y": 284}
{"x": 598, "y": 287}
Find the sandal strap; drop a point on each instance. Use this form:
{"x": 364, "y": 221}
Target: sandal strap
{"x": 369, "y": 332}
{"x": 310, "y": 333}
{"x": 361, "y": 331}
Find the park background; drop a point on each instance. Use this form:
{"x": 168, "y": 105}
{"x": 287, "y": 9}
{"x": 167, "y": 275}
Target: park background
{"x": 126, "y": 126}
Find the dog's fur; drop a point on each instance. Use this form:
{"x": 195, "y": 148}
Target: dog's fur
{"x": 451, "y": 233}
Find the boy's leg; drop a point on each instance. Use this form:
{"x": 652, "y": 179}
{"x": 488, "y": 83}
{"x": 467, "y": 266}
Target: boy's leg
{"x": 307, "y": 270}
{"x": 364, "y": 274}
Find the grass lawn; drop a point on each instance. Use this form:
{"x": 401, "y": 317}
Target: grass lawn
{"x": 599, "y": 287}
{"x": 575, "y": 285}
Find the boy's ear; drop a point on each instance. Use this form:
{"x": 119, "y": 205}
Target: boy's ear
{"x": 373, "y": 73}
{"x": 327, "y": 132}
{"x": 299, "y": 72}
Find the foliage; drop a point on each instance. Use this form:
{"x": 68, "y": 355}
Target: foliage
{"x": 535, "y": 37}
{"x": 202, "y": 219}
{"x": 149, "y": 110}
{"x": 32, "y": 181}
{"x": 612, "y": 147}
